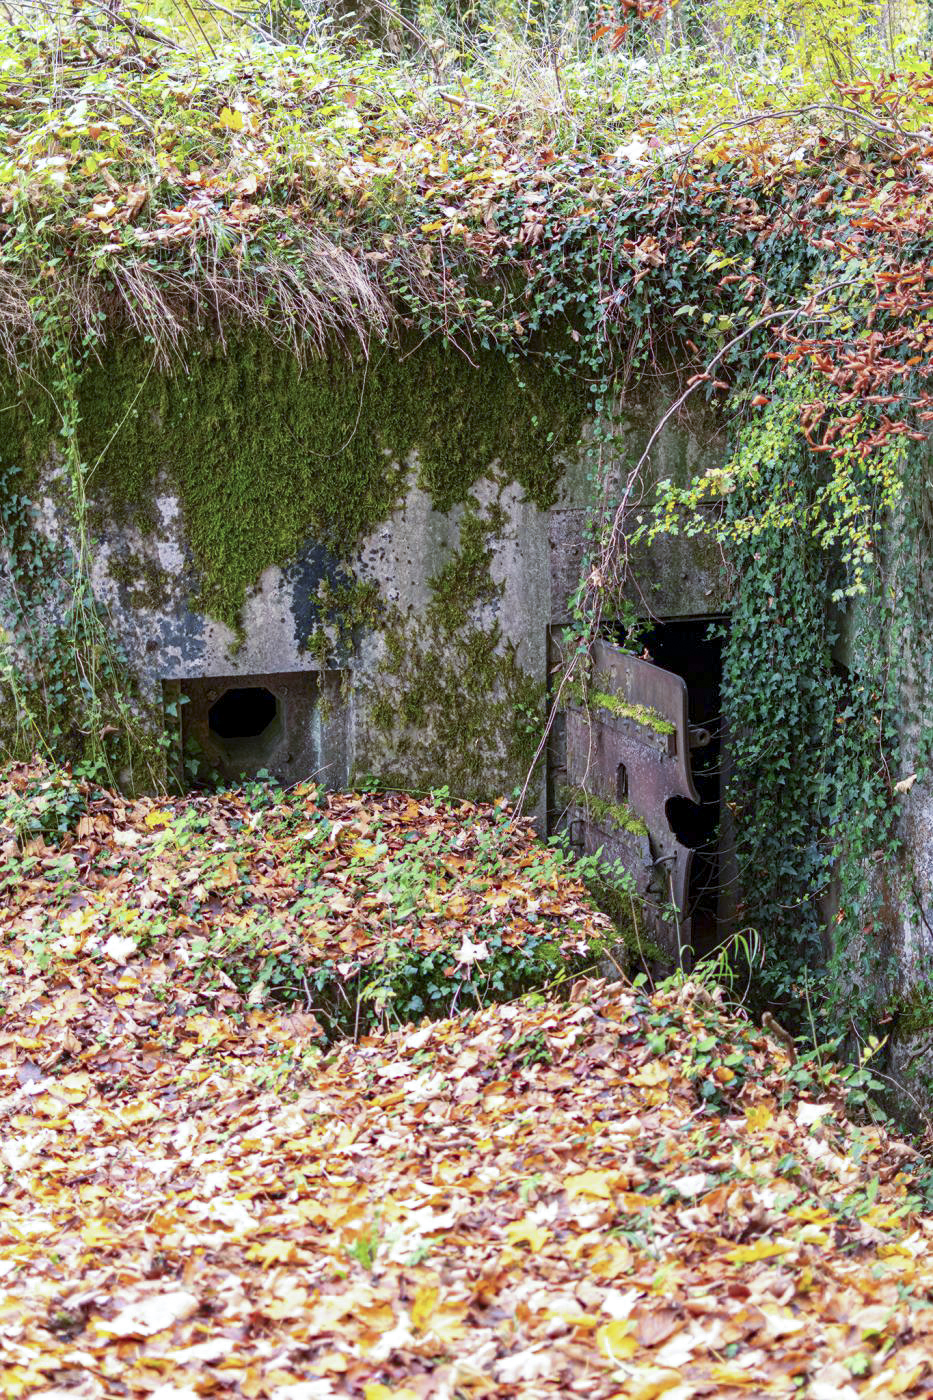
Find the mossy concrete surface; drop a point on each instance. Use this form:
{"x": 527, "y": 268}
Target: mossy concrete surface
{"x": 379, "y": 518}
{"x": 264, "y": 453}
{"x": 383, "y": 518}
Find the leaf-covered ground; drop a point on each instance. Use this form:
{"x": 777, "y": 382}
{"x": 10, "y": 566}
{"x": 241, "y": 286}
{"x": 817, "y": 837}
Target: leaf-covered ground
{"x": 611, "y": 1193}
{"x": 359, "y": 910}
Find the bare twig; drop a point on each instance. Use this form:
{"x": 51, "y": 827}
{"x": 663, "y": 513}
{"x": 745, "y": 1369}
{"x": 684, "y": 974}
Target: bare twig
{"x": 603, "y": 570}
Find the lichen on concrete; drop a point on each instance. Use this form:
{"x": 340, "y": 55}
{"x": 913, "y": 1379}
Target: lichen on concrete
{"x": 449, "y": 694}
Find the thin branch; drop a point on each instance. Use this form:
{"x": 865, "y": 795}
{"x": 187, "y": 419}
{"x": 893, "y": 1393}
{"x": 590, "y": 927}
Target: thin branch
{"x": 600, "y": 572}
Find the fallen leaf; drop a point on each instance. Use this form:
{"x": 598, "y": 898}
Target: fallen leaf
{"x": 149, "y": 1316}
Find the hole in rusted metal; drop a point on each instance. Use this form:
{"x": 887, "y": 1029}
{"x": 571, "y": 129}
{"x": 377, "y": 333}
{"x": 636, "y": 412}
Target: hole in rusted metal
{"x": 692, "y": 648}
{"x": 688, "y": 821}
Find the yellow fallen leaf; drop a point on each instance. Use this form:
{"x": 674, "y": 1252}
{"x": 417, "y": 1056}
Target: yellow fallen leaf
{"x": 448, "y": 1323}
{"x": 96, "y": 1233}
{"x": 881, "y": 1218}
{"x": 758, "y": 1118}
{"x": 891, "y": 1382}
{"x": 653, "y": 1074}
{"x": 591, "y": 1183}
{"x": 158, "y": 817}
{"x": 423, "y": 1307}
{"x": 761, "y": 1249}
{"x": 613, "y": 1259}
{"x": 525, "y": 1232}
{"x": 734, "y": 1375}
{"x": 272, "y": 1251}
{"x": 632, "y": 1202}
{"x": 139, "y": 1111}
{"x": 233, "y": 121}
{"x": 616, "y": 1339}
{"x": 651, "y": 1384}
{"x": 811, "y": 1215}
{"x": 72, "y": 1088}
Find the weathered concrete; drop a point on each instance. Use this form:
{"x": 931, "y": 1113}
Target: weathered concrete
{"x": 439, "y": 674}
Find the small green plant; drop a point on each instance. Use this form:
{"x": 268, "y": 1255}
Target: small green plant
{"x": 366, "y": 1246}
{"x": 41, "y": 802}
{"x": 529, "y": 1049}
{"x": 718, "y": 1068}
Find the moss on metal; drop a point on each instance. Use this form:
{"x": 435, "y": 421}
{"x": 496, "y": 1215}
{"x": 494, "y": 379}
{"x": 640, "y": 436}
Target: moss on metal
{"x": 640, "y": 714}
{"x": 615, "y": 814}
{"x": 621, "y": 709}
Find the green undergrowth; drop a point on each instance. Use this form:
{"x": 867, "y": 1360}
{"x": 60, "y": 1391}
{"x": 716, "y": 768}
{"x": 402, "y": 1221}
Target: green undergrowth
{"x": 361, "y": 909}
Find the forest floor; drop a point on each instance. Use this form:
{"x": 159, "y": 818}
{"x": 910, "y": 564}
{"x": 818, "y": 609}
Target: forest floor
{"x": 212, "y": 1187}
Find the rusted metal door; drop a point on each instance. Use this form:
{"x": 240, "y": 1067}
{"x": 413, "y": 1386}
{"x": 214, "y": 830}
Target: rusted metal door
{"x": 628, "y": 755}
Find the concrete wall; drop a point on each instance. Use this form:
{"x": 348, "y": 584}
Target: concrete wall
{"x": 168, "y": 639}
{"x": 419, "y": 651}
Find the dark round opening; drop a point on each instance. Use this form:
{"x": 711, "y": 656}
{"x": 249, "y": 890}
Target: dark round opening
{"x": 693, "y": 823}
{"x": 243, "y": 713}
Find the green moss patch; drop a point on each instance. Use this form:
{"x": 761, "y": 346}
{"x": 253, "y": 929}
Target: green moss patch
{"x": 264, "y": 452}
{"x": 621, "y": 709}
{"x": 616, "y": 814}
{"x": 640, "y": 714}
{"x": 463, "y": 707}
{"x": 451, "y": 696}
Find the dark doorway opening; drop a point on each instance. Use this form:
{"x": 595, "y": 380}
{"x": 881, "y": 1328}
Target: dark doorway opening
{"x": 692, "y": 648}
{"x": 243, "y": 713}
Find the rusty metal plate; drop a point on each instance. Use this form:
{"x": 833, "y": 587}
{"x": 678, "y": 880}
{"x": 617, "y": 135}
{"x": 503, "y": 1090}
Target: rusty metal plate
{"x": 629, "y": 760}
